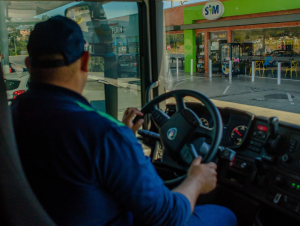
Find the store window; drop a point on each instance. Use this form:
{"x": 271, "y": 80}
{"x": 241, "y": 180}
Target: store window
{"x": 283, "y": 41}
{"x": 253, "y": 41}
{"x": 258, "y": 44}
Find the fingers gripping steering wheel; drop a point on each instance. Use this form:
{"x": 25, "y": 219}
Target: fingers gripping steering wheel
{"x": 178, "y": 131}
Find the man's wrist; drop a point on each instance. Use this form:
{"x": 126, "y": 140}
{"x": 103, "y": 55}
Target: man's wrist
{"x": 194, "y": 181}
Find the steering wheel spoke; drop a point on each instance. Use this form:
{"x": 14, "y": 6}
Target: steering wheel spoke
{"x": 205, "y": 131}
{"x": 180, "y": 105}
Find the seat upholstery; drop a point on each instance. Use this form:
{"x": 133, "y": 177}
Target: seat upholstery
{"x": 18, "y": 204}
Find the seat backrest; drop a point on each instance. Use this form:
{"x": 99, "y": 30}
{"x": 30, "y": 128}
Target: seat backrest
{"x": 18, "y": 204}
{"x": 294, "y": 64}
{"x": 258, "y": 63}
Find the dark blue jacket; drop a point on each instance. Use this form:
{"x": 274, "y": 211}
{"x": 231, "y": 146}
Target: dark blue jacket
{"x": 87, "y": 168}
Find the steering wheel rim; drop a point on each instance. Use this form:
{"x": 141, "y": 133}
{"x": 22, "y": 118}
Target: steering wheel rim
{"x": 215, "y": 133}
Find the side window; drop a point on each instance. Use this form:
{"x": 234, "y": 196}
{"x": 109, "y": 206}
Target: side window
{"x": 111, "y": 30}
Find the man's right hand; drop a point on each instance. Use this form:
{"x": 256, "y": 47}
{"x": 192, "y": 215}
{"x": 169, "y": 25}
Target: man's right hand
{"x": 201, "y": 179}
{"x": 204, "y": 174}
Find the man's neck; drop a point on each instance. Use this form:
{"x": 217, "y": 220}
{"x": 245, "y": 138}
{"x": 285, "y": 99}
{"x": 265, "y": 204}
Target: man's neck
{"x": 74, "y": 86}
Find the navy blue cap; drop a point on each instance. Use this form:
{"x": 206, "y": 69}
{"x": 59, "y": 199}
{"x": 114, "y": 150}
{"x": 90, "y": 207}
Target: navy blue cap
{"x": 57, "y": 35}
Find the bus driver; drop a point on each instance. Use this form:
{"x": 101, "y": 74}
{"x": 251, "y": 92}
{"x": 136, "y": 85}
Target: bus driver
{"x": 85, "y": 167}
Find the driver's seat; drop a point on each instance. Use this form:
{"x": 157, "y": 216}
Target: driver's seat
{"x": 18, "y": 204}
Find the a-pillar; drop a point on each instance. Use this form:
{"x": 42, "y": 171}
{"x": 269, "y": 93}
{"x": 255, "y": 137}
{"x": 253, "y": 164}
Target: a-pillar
{"x": 3, "y": 32}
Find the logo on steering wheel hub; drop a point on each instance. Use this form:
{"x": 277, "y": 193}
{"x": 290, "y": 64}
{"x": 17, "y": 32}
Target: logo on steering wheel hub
{"x": 171, "y": 134}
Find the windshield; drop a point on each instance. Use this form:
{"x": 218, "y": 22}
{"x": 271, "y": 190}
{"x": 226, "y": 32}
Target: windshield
{"x": 111, "y": 31}
{"x": 239, "y": 56}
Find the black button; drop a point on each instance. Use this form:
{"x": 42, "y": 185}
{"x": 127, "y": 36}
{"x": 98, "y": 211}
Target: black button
{"x": 257, "y": 150}
{"x": 259, "y": 144}
{"x": 290, "y": 207}
{"x": 259, "y": 135}
{"x": 251, "y": 148}
{"x": 252, "y": 142}
{"x": 270, "y": 197}
{"x": 297, "y": 208}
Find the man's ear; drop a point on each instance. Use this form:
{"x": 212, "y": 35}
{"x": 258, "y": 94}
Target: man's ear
{"x": 27, "y": 63}
{"x": 85, "y": 61}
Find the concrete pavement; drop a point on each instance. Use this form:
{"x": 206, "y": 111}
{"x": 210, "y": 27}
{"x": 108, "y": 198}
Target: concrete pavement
{"x": 261, "y": 97}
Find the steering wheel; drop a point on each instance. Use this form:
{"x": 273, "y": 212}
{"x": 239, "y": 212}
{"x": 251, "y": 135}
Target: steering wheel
{"x": 179, "y": 131}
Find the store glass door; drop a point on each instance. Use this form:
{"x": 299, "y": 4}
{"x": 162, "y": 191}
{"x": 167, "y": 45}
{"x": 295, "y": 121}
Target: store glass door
{"x": 200, "y": 52}
{"x": 216, "y": 39}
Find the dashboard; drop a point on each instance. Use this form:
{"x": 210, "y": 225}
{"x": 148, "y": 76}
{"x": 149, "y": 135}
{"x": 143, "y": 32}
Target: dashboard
{"x": 266, "y": 169}
{"x": 235, "y": 123}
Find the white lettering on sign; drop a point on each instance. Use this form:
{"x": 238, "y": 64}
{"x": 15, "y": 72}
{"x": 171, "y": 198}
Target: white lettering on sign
{"x": 213, "y": 10}
{"x": 116, "y": 30}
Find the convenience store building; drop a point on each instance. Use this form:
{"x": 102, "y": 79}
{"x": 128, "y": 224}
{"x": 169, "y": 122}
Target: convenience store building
{"x": 260, "y": 26}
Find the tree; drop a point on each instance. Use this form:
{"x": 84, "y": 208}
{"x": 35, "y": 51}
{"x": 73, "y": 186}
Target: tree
{"x": 18, "y": 51}
{"x": 45, "y": 17}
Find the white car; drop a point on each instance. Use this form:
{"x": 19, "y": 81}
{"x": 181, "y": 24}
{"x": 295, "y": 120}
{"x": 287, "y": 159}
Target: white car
{"x": 16, "y": 83}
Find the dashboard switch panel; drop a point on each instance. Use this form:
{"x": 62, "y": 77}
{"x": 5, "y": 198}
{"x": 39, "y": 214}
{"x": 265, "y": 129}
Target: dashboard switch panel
{"x": 255, "y": 146}
{"x": 292, "y": 145}
{"x": 260, "y": 135}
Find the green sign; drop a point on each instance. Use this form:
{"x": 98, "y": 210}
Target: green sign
{"x": 242, "y": 7}
{"x": 232, "y": 8}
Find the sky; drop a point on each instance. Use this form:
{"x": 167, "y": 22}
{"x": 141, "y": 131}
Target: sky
{"x": 124, "y": 8}
{"x": 168, "y": 4}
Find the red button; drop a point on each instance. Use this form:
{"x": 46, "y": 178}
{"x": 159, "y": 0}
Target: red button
{"x": 262, "y": 128}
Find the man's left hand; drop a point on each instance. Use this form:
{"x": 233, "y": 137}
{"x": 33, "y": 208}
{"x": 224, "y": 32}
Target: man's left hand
{"x": 128, "y": 117}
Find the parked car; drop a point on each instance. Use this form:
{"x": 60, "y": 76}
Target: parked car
{"x": 16, "y": 83}
{"x": 16, "y": 68}
{"x": 127, "y": 65}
